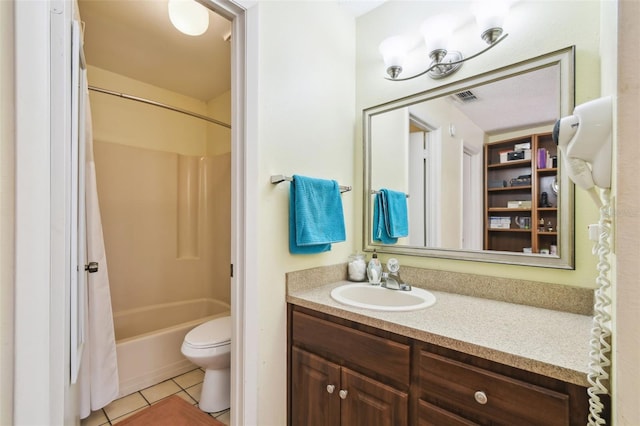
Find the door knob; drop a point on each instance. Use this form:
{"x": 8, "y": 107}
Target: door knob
{"x": 343, "y": 394}
{"x": 330, "y": 388}
{"x": 91, "y": 267}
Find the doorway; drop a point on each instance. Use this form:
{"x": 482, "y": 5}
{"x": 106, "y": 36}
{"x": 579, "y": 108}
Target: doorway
{"x": 235, "y": 17}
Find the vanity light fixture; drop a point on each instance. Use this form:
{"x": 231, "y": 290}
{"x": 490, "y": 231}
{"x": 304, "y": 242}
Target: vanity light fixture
{"x": 436, "y": 32}
{"x": 188, "y": 16}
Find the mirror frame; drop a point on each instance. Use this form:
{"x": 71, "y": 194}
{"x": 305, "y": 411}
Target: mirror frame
{"x": 565, "y": 59}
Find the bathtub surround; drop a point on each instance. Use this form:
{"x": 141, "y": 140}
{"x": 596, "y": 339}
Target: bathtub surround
{"x": 99, "y": 367}
{"x": 145, "y": 220}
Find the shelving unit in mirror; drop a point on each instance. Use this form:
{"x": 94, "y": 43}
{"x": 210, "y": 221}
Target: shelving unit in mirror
{"x": 521, "y": 203}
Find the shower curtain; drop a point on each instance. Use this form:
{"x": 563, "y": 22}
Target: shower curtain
{"x": 98, "y": 380}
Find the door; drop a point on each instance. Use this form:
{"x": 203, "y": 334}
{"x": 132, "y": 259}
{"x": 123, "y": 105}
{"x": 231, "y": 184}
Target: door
{"x": 315, "y": 384}
{"x": 77, "y": 227}
{"x": 368, "y": 402}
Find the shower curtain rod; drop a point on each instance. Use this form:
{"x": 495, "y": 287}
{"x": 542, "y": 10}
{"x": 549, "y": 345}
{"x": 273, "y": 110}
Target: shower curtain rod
{"x": 161, "y": 105}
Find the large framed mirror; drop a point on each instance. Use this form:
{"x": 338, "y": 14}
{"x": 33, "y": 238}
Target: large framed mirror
{"x": 475, "y": 158}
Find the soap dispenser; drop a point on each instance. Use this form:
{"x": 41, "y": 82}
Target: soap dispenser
{"x": 374, "y": 270}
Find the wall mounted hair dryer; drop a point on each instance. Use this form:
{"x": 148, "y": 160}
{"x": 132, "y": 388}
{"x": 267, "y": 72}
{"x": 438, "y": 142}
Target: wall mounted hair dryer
{"x": 584, "y": 139}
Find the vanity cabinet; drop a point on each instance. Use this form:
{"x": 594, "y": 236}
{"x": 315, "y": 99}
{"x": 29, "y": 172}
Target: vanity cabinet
{"x": 343, "y": 376}
{"x": 521, "y": 206}
{"x": 342, "y": 372}
{"x": 467, "y": 390}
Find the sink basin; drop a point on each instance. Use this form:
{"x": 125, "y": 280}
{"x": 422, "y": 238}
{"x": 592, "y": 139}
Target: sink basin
{"x": 382, "y": 299}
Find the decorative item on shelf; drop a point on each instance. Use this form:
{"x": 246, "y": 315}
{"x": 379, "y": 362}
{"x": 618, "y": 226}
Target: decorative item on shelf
{"x": 542, "y": 158}
{"x": 436, "y": 31}
{"x": 544, "y": 251}
{"x": 555, "y": 185}
{"x": 544, "y": 200}
{"x": 519, "y": 204}
{"x": 515, "y": 155}
{"x": 549, "y": 227}
{"x": 499, "y": 222}
{"x": 492, "y": 184}
{"x": 523, "y": 222}
{"x": 554, "y": 161}
{"x": 553, "y": 249}
{"x": 541, "y": 224}
{"x": 522, "y": 180}
{"x": 522, "y": 146}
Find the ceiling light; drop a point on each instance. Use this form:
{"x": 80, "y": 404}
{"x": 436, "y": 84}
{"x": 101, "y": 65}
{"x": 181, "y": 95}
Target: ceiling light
{"x": 437, "y": 31}
{"x": 188, "y": 16}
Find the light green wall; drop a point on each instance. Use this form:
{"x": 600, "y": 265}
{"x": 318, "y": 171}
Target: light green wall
{"x": 573, "y": 22}
{"x": 306, "y": 99}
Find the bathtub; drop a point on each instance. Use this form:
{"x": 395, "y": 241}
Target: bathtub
{"x": 148, "y": 340}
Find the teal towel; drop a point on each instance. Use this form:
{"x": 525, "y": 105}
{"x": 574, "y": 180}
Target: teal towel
{"x": 316, "y": 218}
{"x": 390, "y": 217}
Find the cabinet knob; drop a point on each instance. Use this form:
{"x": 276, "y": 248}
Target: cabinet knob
{"x": 343, "y": 394}
{"x": 481, "y": 397}
{"x": 330, "y": 388}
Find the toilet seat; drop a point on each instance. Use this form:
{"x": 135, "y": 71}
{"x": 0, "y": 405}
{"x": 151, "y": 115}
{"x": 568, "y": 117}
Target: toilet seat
{"x": 210, "y": 334}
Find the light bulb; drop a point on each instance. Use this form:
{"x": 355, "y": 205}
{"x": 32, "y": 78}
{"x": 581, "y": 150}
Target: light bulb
{"x": 188, "y": 16}
{"x": 437, "y": 33}
{"x": 490, "y": 16}
{"x": 394, "y": 51}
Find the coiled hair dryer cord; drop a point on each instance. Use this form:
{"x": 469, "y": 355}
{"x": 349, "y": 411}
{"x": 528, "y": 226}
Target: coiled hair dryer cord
{"x": 599, "y": 362}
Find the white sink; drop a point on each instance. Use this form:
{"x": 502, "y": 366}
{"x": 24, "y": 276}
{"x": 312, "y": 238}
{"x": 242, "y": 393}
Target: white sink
{"x": 382, "y": 299}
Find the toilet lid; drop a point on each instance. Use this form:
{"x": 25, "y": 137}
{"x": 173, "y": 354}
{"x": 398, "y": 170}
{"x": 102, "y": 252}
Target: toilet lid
{"x": 212, "y": 333}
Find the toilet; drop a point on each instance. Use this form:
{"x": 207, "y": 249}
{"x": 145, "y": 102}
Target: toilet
{"x": 209, "y": 347}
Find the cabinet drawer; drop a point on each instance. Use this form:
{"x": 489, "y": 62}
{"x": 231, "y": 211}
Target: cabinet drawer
{"x": 452, "y": 385}
{"x": 430, "y": 415}
{"x": 385, "y": 357}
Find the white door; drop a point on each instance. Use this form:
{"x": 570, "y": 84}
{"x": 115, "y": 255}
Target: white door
{"x": 77, "y": 227}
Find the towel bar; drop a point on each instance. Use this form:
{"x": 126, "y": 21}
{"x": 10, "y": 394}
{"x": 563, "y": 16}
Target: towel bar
{"x": 281, "y": 178}
{"x": 375, "y": 191}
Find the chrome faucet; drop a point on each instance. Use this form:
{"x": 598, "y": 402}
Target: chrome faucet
{"x": 391, "y": 279}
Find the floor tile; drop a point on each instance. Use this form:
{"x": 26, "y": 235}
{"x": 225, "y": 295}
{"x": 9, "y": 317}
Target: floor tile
{"x": 189, "y": 379}
{"x": 225, "y": 417}
{"x": 125, "y": 405}
{"x": 195, "y": 391}
{"x": 161, "y": 390}
{"x": 121, "y": 418}
{"x": 96, "y": 418}
{"x": 187, "y": 398}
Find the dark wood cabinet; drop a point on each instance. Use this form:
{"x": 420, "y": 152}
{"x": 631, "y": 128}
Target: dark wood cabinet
{"x": 521, "y": 205}
{"x": 486, "y": 397}
{"x": 346, "y": 373}
{"x": 315, "y": 383}
{"x": 329, "y": 380}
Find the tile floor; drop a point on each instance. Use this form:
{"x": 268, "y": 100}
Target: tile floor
{"x": 187, "y": 386}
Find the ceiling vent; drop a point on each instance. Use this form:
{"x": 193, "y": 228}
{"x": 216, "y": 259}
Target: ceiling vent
{"x": 465, "y": 96}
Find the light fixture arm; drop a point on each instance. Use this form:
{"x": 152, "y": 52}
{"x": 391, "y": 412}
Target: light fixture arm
{"x": 434, "y": 65}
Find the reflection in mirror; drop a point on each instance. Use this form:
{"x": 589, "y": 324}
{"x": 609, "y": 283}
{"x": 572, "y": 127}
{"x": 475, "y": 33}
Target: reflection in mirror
{"x": 478, "y": 165}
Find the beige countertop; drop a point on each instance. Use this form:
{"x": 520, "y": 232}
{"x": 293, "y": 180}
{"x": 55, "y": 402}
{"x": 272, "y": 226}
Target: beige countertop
{"x": 543, "y": 341}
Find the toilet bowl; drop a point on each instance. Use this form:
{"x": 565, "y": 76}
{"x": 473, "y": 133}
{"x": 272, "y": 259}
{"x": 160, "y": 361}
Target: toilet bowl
{"x": 209, "y": 347}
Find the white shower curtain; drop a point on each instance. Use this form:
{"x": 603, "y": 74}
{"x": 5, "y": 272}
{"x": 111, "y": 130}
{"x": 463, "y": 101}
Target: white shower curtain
{"x": 99, "y": 367}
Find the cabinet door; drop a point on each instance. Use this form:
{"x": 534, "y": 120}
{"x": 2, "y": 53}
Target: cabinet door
{"x": 368, "y": 402}
{"x": 314, "y": 390}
